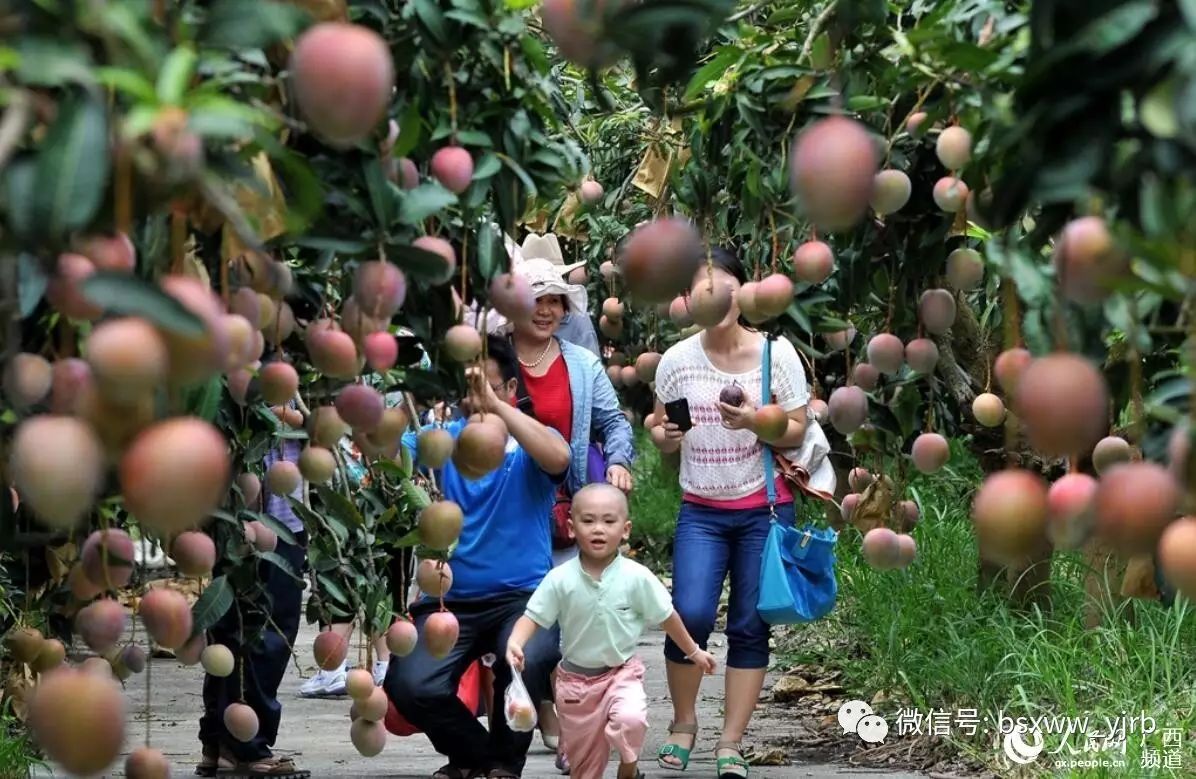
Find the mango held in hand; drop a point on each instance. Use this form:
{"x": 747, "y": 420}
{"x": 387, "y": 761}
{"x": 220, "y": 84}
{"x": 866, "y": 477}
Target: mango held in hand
{"x": 771, "y": 422}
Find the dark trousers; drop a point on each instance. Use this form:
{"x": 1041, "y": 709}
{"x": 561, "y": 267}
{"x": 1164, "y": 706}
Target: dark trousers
{"x": 265, "y": 662}
{"x": 424, "y": 689}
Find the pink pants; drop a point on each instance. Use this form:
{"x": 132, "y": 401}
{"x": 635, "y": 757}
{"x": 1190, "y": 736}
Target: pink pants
{"x": 600, "y": 713}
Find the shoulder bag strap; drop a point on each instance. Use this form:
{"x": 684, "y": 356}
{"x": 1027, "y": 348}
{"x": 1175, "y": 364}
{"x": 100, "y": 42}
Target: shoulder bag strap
{"x": 765, "y": 399}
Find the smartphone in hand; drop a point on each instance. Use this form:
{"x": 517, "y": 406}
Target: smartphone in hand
{"x": 677, "y": 412}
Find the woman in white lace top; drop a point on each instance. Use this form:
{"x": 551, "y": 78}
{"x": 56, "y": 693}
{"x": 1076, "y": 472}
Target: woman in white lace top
{"x": 724, "y": 516}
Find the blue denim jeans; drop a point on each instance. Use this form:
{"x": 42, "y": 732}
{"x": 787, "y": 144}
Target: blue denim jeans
{"x": 708, "y": 544}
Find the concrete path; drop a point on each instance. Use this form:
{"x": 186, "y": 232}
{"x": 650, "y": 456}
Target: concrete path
{"x": 315, "y": 732}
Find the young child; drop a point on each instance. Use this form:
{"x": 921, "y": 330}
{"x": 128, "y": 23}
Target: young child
{"x": 602, "y": 602}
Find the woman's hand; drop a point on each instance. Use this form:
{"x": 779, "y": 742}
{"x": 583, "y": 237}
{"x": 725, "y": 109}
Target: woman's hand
{"x": 738, "y": 417}
{"x": 668, "y": 432}
{"x": 619, "y": 477}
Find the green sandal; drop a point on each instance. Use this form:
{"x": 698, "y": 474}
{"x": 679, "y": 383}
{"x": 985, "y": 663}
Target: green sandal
{"x": 730, "y": 767}
{"x": 675, "y": 750}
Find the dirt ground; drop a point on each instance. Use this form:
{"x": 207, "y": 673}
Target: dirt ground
{"x": 315, "y": 732}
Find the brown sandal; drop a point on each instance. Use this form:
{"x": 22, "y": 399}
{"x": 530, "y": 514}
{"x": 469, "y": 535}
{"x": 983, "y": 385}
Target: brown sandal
{"x": 274, "y": 767}
{"x": 450, "y": 771}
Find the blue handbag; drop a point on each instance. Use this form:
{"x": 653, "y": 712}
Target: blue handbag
{"x": 797, "y": 571}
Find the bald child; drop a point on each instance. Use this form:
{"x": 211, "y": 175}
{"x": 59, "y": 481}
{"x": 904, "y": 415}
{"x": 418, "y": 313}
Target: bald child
{"x": 603, "y": 602}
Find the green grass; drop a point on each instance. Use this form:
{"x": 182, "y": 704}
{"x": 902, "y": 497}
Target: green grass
{"x": 17, "y": 753}
{"x": 654, "y": 503}
{"x": 927, "y": 639}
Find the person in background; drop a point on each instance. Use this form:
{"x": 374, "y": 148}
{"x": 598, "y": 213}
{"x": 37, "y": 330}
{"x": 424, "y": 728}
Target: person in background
{"x": 266, "y": 659}
{"x": 576, "y": 326}
{"x": 725, "y": 511}
{"x": 504, "y": 515}
{"x": 331, "y": 683}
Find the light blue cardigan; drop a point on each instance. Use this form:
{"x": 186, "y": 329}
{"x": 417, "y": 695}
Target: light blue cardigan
{"x": 595, "y": 407}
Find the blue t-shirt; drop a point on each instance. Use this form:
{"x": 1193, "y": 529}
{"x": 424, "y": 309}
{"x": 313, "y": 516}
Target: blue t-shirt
{"x": 506, "y": 541}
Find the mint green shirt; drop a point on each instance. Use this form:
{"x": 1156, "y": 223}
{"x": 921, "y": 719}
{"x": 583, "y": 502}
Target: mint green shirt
{"x": 601, "y": 619}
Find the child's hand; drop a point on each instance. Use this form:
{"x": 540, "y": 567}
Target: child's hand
{"x": 515, "y": 657}
{"x": 705, "y": 661}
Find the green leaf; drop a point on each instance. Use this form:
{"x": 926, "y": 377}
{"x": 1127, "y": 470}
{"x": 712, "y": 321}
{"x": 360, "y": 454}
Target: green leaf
{"x": 417, "y": 497}
{"x": 339, "y": 506}
{"x": 710, "y": 71}
{"x": 281, "y": 530}
{"x": 518, "y": 170}
{"x": 128, "y": 81}
{"x": 205, "y": 400}
{"x": 281, "y": 562}
{"x": 120, "y": 293}
{"x": 866, "y": 103}
{"x": 409, "y": 540}
{"x": 424, "y": 201}
{"x": 45, "y": 62}
{"x": 251, "y": 24}
{"x": 418, "y": 263}
{"x": 19, "y": 183}
{"x": 224, "y": 118}
{"x": 338, "y": 245}
{"x": 382, "y": 196}
{"x": 213, "y": 604}
{"x": 1115, "y": 28}
{"x": 31, "y": 283}
{"x": 328, "y": 586}
{"x": 967, "y": 57}
{"x": 1157, "y": 110}
{"x": 821, "y": 56}
{"x": 315, "y": 522}
{"x": 533, "y": 50}
{"x": 799, "y": 315}
{"x": 1188, "y": 9}
{"x": 72, "y": 167}
{"x": 488, "y": 259}
{"x": 410, "y": 129}
{"x": 474, "y": 138}
{"x": 175, "y": 75}
{"x": 486, "y": 167}
{"x": 469, "y": 17}
{"x": 432, "y": 21}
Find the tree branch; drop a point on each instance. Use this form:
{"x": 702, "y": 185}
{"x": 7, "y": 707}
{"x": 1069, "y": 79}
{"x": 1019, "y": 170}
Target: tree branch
{"x": 815, "y": 28}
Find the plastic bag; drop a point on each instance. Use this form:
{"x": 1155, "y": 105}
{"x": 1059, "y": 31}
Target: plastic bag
{"x": 521, "y": 712}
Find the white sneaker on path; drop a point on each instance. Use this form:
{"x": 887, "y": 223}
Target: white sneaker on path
{"x": 325, "y": 683}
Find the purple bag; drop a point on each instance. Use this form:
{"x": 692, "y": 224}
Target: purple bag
{"x": 595, "y": 464}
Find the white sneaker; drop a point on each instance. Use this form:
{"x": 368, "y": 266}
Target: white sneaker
{"x": 325, "y": 683}
{"x": 380, "y": 669}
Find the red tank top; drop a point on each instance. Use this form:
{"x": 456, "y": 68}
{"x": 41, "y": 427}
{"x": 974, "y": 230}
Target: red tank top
{"x": 552, "y": 400}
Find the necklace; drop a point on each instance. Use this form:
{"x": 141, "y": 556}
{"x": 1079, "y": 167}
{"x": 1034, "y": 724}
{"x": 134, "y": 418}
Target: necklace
{"x": 539, "y": 359}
